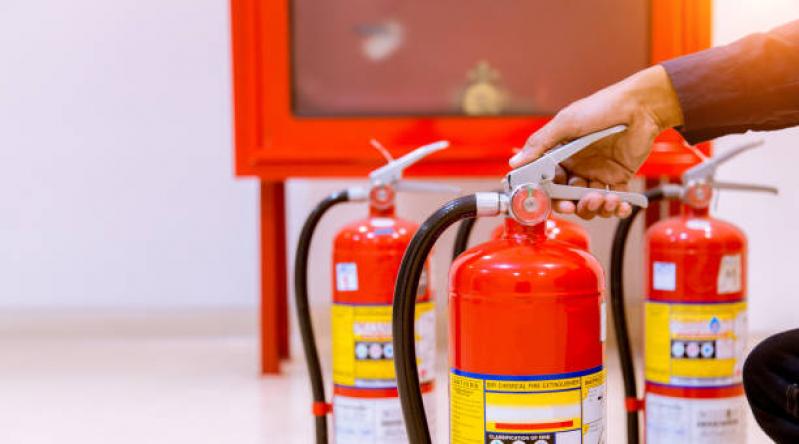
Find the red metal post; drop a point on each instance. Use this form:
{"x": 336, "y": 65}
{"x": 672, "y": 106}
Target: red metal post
{"x": 274, "y": 303}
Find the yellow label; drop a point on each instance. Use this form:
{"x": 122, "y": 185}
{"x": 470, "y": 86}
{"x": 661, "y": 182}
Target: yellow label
{"x": 362, "y": 350}
{"x": 657, "y": 363}
{"x": 466, "y": 410}
{"x": 506, "y": 409}
{"x": 695, "y": 344}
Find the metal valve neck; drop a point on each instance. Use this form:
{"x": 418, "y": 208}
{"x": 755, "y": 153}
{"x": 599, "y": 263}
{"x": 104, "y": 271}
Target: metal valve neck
{"x": 532, "y": 233}
{"x": 691, "y": 211}
{"x": 375, "y": 211}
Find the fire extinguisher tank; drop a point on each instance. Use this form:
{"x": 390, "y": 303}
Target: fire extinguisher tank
{"x": 526, "y": 341}
{"x": 366, "y": 258}
{"x": 558, "y": 229}
{"x": 377, "y": 243}
{"x": 696, "y": 330}
{"x": 696, "y": 244}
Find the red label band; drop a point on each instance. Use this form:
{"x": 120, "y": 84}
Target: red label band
{"x": 540, "y": 426}
{"x": 634, "y": 404}
{"x": 322, "y": 408}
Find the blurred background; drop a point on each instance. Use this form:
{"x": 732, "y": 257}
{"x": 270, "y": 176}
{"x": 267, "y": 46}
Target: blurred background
{"x": 129, "y": 274}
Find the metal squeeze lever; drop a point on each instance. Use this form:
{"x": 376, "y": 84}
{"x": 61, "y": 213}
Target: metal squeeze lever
{"x": 387, "y": 179}
{"x": 707, "y": 169}
{"x": 699, "y": 180}
{"x": 392, "y": 172}
{"x": 531, "y": 186}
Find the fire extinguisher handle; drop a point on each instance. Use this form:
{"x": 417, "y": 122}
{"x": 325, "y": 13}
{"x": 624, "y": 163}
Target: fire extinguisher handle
{"x": 729, "y": 154}
{"x": 707, "y": 169}
{"x": 566, "y": 192}
{"x": 568, "y": 150}
{"x": 425, "y": 187}
{"x": 545, "y": 168}
{"x": 721, "y": 185}
{"x": 391, "y": 173}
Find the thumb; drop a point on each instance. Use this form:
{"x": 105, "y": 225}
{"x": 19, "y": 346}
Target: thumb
{"x": 550, "y": 135}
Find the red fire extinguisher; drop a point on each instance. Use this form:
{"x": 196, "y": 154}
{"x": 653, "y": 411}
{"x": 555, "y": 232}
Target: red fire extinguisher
{"x": 695, "y": 317}
{"x": 366, "y": 257}
{"x": 526, "y": 320}
{"x": 556, "y": 229}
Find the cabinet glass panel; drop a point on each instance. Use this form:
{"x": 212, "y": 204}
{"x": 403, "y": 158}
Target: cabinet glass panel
{"x": 383, "y": 58}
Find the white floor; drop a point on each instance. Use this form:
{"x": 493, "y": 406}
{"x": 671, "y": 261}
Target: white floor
{"x": 165, "y": 378}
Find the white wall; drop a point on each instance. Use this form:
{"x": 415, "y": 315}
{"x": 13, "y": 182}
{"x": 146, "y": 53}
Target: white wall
{"x": 769, "y": 222}
{"x": 116, "y": 183}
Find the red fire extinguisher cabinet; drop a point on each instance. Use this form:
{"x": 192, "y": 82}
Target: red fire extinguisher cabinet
{"x": 299, "y": 113}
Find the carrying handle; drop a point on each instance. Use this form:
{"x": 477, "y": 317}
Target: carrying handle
{"x": 565, "y": 192}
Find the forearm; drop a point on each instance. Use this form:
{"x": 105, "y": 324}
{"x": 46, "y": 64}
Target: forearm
{"x": 751, "y": 84}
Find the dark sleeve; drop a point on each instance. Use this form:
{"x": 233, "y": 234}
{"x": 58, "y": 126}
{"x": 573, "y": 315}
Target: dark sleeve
{"x": 751, "y": 84}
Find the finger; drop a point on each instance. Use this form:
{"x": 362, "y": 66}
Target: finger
{"x": 620, "y": 187}
{"x": 577, "y": 181}
{"x": 565, "y": 207}
{"x": 597, "y": 184}
{"x": 574, "y": 181}
{"x": 560, "y": 175}
{"x": 589, "y": 205}
{"x": 624, "y": 210}
{"x": 600, "y": 198}
{"x": 608, "y": 209}
{"x": 583, "y": 213}
{"x": 561, "y": 127}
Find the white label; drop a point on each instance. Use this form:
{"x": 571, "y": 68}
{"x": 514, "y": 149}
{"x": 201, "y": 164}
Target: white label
{"x": 364, "y": 420}
{"x": 664, "y": 276}
{"x": 426, "y": 345}
{"x": 347, "y": 276}
{"x": 729, "y": 274}
{"x": 603, "y": 323}
{"x": 699, "y": 224}
{"x": 382, "y": 222}
{"x": 695, "y": 421}
{"x": 594, "y": 407}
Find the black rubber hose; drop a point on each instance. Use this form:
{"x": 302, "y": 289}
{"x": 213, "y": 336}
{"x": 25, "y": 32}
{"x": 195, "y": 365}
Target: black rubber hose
{"x": 620, "y": 316}
{"x": 462, "y": 237}
{"x": 405, "y": 312}
{"x": 303, "y": 309}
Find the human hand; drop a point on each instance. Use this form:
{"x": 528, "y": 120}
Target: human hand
{"x": 646, "y": 102}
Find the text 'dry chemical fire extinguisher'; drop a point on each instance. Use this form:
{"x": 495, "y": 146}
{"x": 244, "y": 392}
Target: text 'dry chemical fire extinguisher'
{"x": 526, "y": 319}
{"x": 695, "y": 316}
{"x": 366, "y": 258}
